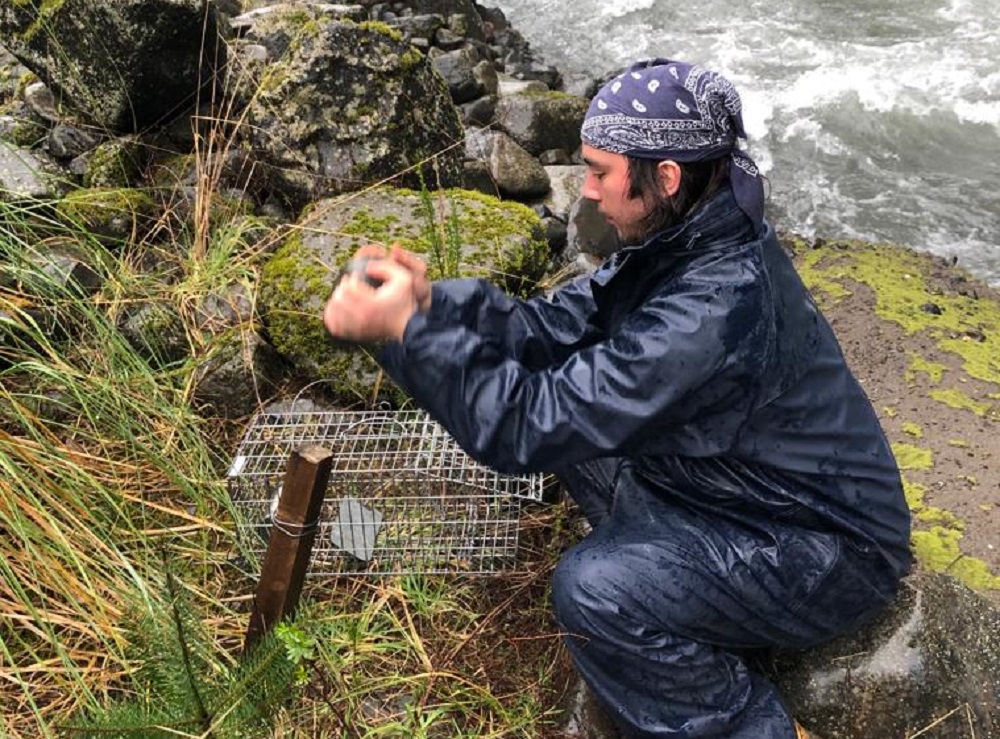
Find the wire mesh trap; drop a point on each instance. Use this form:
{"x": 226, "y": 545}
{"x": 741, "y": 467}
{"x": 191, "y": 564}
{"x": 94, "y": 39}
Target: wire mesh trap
{"x": 402, "y": 496}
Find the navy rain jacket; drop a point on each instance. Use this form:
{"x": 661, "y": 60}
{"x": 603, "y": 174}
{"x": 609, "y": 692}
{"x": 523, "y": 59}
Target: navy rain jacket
{"x": 698, "y": 356}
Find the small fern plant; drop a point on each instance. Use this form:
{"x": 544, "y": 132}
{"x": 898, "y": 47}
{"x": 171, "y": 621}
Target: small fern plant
{"x": 184, "y": 689}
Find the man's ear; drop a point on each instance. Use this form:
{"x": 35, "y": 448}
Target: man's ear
{"x": 670, "y": 176}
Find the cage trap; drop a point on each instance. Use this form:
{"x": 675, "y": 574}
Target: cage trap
{"x": 402, "y": 496}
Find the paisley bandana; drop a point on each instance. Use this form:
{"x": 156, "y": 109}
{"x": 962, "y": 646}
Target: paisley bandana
{"x": 663, "y": 109}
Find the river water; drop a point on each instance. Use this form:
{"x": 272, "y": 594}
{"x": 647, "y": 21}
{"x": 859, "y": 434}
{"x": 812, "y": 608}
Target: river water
{"x": 874, "y": 119}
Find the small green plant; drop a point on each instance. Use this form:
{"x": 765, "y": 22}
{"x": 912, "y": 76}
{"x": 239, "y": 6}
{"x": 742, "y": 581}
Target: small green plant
{"x": 300, "y": 648}
{"x": 182, "y": 688}
{"x": 445, "y": 253}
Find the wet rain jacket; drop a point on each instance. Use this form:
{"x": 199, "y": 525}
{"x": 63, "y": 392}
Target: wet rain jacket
{"x": 698, "y": 357}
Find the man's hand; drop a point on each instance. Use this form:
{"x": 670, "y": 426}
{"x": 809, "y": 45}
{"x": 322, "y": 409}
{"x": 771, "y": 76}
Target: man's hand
{"x": 359, "y": 312}
{"x": 418, "y": 268}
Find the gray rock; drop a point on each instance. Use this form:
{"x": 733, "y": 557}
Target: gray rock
{"x": 476, "y": 176}
{"x": 458, "y": 70}
{"x": 419, "y": 26}
{"x": 930, "y": 664}
{"x": 11, "y": 75}
{"x": 929, "y": 667}
{"x": 25, "y": 175}
{"x": 509, "y": 86}
{"x": 566, "y": 182}
{"x": 486, "y": 74}
{"x": 125, "y": 65}
{"x": 40, "y": 100}
{"x": 244, "y": 22}
{"x": 21, "y": 127}
{"x": 66, "y": 141}
{"x": 543, "y": 121}
{"x": 231, "y": 308}
{"x": 480, "y": 112}
{"x": 468, "y": 23}
{"x": 239, "y": 374}
{"x": 515, "y": 173}
{"x": 157, "y": 332}
{"x": 341, "y": 106}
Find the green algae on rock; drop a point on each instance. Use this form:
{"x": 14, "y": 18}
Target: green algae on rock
{"x": 912, "y": 291}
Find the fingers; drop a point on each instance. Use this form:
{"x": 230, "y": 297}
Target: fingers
{"x": 357, "y": 311}
{"x": 371, "y": 251}
{"x": 409, "y": 260}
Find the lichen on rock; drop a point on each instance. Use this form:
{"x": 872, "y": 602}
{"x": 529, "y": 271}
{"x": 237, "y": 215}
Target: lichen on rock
{"x": 343, "y": 105}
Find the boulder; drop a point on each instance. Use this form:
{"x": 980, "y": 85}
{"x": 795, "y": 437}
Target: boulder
{"x": 337, "y": 106}
{"x": 458, "y": 70}
{"x": 460, "y": 233}
{"x": 543, "y": 120}
{"x": 240, "y": 371}
{"x": 514, "y": 172}
{"x": 929, "y": 666}
{"x": 27, "y": 175}
{"x": 462, "y": 15}
{"x": 125, "y": 64}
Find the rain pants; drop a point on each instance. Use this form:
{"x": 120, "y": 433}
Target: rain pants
{"x": 699, "y": 409}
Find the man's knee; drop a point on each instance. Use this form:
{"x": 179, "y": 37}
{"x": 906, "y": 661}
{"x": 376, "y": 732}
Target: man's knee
{"x": 598, "y": 588}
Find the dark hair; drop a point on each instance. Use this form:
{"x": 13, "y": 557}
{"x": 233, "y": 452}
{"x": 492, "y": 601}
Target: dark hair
{"x": 699, "y": 182}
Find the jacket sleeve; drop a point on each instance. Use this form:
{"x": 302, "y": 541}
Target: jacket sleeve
{"x": 677, "y": 357}
{"x": 537, "y": 333}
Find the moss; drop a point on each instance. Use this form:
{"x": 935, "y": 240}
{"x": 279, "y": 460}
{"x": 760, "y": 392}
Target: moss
{"x": 955, "y": 398}
{"x": 933, "y": 370}
{"x": 27, "y": 133}
{"x": 910, "y": 457}
{"x": 913, "y": 429}
{"x": 959, "y": 443}
{"x": 938, "y": 549}
{"x": 383, "y": 28}
{"x": 817, "y": 280}
{"x": 45, "y": 10}
{"x": 964, "y": 324}
{"x": 290, "y": 278}
{"x": 112, "y": 213}
{"x": 116, "y": 163}
{"x": 481, "y": 230}
{"x": 411, "y": 58}
{"x": 550, "y": 95}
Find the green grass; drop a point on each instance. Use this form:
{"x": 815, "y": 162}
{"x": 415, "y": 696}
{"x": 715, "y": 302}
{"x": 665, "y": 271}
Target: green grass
{"x": 107, "y": 473}
{"x": 109, "y": 477}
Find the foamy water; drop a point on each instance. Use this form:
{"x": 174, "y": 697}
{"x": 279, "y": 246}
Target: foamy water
{"x": 870, "y": 119}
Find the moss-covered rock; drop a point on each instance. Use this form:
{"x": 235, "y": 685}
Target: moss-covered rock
{"x": 117, "y": 163}
{"x": 115, "y": 215}
{"x": 340, "y": 105}
{"x": 540, "y": 121}
{"x": 460, "y": 233}
{"x": 125, "y": 65}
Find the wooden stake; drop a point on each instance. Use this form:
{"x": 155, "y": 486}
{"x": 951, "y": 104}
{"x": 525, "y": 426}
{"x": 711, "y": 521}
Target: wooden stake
{"x": 289, "y": 545}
